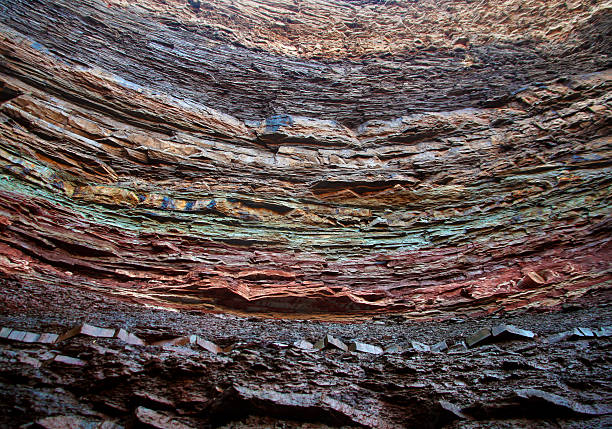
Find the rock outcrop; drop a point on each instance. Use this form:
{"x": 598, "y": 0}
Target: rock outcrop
{"x": 328, "y": 160}
{"x": 137, "y": 158}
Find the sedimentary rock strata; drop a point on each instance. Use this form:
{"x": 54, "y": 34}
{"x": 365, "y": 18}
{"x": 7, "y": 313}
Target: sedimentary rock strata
{"x": 115, "y": 181}
{"x": 328, "y": 160}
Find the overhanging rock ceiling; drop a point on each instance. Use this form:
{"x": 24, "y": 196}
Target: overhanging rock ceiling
{"x": 323, "y": 158}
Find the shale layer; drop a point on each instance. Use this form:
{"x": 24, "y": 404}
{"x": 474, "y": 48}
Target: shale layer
{"x": 183, "y": 155}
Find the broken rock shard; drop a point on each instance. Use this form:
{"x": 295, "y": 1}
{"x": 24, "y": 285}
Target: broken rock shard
{"x": 89, "y": 330}
{"x": 420, "y": 347}
{"x": 479, "y": 337}
{"x": 129, "y": 338}
{"x": 511, "y": 331}
{"x": 303, "y": 344}
{"x": 330, "y": 342}
{"x": 421, "y": 188}
{"x": 357, "y": 346}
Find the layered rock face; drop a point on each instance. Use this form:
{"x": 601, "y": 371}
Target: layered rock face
{"x": 308, "y": 157}
{"x": 407, "y": 191}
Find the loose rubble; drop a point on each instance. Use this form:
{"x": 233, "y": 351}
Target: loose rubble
{"x": 266, "y": 372}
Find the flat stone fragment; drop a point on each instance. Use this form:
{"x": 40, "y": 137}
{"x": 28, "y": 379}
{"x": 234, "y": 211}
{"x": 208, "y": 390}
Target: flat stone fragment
{"x": 561, "y": 336}
{"x": 303, "y": 344}
{"x": 208, "y": 345}
{"x": 565, "y": 403}
{"x": 89, "y": 330}
{"x": 48, "y": 338}
{"x": 69, "y": 360}
{"x": 479, "y": 337}
{"x": 439, "y": 347}
{"x": 28, "y": 337}
{"x": 329, "y": 341}
{"x": 576, "y": 332}
{"x": 587, "y": 332}
{"x": 17, "y": 335}
{"x": 31, "y": 337}
{"x": 420, "y": 347}
{"x": 94, "y": 331}
{"x": 357, "y": 346}
{"x": 511, "y": 331}
{"x": 129, "y": 338}
{"x": 154, "y": 419}
{"x": 604, "y": 331}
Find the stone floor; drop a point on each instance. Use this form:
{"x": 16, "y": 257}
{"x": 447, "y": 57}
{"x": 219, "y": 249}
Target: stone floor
{"x": 260, "y": 378}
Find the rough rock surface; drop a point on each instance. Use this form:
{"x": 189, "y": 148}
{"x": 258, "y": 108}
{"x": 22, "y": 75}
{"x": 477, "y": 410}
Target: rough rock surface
{"x": 315, "y": 160}
{"x": 261, "y": 379}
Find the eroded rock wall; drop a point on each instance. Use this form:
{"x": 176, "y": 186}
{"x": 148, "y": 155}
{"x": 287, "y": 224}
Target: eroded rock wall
{"x": 315, "y": 158}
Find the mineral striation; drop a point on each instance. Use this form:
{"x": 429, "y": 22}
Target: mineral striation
{"x": 331, "y": 160}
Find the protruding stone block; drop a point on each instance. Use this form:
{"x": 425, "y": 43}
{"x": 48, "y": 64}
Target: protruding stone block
{"x": 129, "y": 338}
{"x": 357, "y": 346}
{"x": 329, "y": 341}
{"x": 479, "y": 337}
{"x": 89, "y": 330}
{"x": 511, "y": 331}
